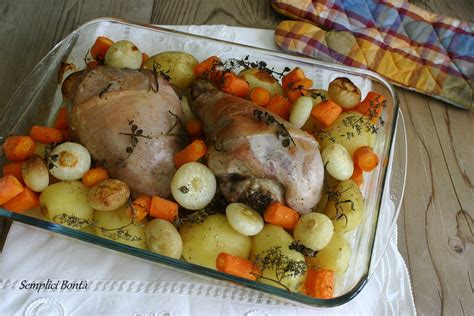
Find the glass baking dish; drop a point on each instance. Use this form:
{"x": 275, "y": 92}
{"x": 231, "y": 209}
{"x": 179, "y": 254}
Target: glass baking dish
{"x": 39, "y": 97}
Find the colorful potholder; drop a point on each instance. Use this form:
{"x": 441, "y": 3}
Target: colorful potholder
{"x": 413, "y": 48}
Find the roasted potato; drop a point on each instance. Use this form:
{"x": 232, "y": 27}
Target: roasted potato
{"x": 335, "y": 256}
{"x": 260, "y": 78}
{"x": 178, "y": 66}
{"x": 108, "y": 195}
{"x": 345, "y": 206}
{"x": 264, "y": 242}
{"x": 65, "y": 203}
{"x": 203, "y": 242}
{"x": 351, "y": 129}
{"x": 118, "y": 226}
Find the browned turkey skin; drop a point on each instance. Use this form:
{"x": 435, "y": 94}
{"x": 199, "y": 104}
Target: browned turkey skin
{"x": 128, "y": 120}
{"x": 250, "y": 158}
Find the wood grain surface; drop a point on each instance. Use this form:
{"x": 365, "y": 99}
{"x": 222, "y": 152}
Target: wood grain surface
{"x": 436, "y": 224}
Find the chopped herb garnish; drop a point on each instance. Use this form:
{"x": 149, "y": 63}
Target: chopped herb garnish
{"x": 302, "y": 249}
{"x": 282, "y": 132}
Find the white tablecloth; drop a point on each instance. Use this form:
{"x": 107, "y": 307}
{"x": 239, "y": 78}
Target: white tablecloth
{"x": 121, "y": 284}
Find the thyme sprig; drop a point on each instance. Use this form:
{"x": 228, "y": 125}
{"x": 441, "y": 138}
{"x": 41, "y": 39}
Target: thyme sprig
{"x": 335, "y": 196}
{"x": 284, "y": 267}
{"x": 134, "y": 135}
{"x": 302, "y": 249}
{"x": 71, "y": 220}
{"x": 282, "y": 132}
{"x": 233, "y": 63}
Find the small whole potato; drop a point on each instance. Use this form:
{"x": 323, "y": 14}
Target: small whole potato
{"x": 108, "y": 195}
{"x": 123, "y": 54}
{"x": 118, "y": 226}
{"x": 65, "y": 203}
{"x": 35, "y": 173}
{"x": 342, "y": 91}
{"x": 351, "y": 129}
{"x": 335, "y": 256}
{"x": 163, "y": 238}
{"x": 347, "y": 209}
{"x": 178, "y": 66}
{"x": 337, "y": 161}
{"x": 260, "y": 78}
{"x": 203, "y": 242}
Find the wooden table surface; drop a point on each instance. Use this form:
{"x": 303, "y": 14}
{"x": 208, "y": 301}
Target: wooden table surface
{"x": 436, "y": 223}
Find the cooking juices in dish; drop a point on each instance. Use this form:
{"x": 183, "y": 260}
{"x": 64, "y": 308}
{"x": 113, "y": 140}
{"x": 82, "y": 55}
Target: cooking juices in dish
{"x": 224, "y": 163}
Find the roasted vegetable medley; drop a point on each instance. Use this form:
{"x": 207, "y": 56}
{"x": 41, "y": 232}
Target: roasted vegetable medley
{"x": 227, "y": 164}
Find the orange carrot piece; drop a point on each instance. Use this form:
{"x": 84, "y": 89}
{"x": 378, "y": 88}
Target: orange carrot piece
{"x": 18, "y": 148}
{"x": 193, "y": 152}
{"x": 326, "y": 112}
{"x": 46, "y": 135}
{"x": 100, "y": 47}
{"x": 139, "y": 208}
{"x": 163, "y": 209}
{"x": 61, "y": 119}
{"x": 365, "y": 158}
{"x": 371, "y": 106}
{"x": 234, "y": 85}
{"x": 206, "y": 67}
{"x": 280, "y": 106}
{"x": 260, "y": 96}
{"x": 24, "y": 201}
{"x": 194, "y": 128}
{"x": 94, "y": 176}
{"x": 13, "y": 169}
{"x": 9, "y": 188}
{"x": 293, "y": 76}
{"x": 236, "y": 266}
{"x": 281, "y": 215}
{"x": 358, "y": 175}
{"x": 319, "y": 283}
{"x": 299, "y": 89}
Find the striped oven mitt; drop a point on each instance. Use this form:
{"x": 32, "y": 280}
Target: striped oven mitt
{"x": 413, "y": 48}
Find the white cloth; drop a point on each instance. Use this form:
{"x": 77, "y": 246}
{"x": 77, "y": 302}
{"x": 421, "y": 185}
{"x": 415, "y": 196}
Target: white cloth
{"x": 121, "y": 284}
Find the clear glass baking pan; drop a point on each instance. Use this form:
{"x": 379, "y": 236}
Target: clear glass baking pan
{"x": 39, "y": 97}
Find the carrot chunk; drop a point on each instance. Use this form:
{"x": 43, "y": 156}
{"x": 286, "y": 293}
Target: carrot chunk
{"x": 139, "y": 208}
{"x": 9, "y": 188}
{"x": 281, "y": 215}
{"x": 234, "y": 85}
{"x": 298, "y": 89}
{"x": 365, "y": 158}
{"x": 100, "y": 47}
{"x": 145, "y": 57}
{"x": 61, "y": 119}
{"x": 163, "y": 209}
{"x": 358, "y": 175}
{"x": 260, "y": 96}
{"x": 319, "y": 283}
{"x": 280, "y": 106}
{"x": 236, "y": 266}
{"x": 194, "y": 128}
{"x": 94, "y": 176}
{"x": 13, "y": 169}
{"x": 206, "y": 67}
{"x": 46, "y": 135}
{"x": 326, "y": 112}
{"x": 18, "y": 148}
{"x": 293, "y": 76}
{"x": 371, "y": 106}
{"x": 193, "y": 152}
{"x": 24, "y": 201}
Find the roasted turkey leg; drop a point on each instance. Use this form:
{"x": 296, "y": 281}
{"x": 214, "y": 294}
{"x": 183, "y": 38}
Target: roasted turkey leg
{"x": 129, "y": 122}
{"x": 248, "y": 150}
